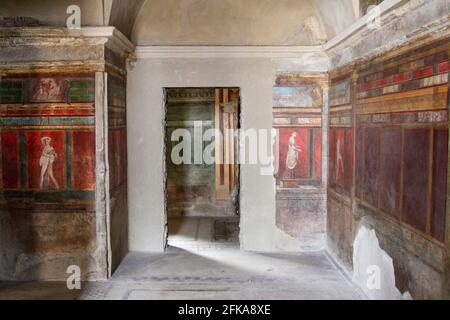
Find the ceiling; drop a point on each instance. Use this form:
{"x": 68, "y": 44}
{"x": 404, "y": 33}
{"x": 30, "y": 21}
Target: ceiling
{"x": 202, "y": 22}
{"x": 241, "y": 22}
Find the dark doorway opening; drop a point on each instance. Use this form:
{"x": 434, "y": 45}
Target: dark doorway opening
{"x": 202, "y": 170}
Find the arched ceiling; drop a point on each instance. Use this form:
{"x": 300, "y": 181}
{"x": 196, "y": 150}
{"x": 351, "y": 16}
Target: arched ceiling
{"x": 241, "y": 22}
{"x": 202, "y": 22}
{"x": 122, "y": 14}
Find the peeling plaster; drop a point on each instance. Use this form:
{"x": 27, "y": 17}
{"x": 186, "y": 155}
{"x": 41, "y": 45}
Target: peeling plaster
{"x": 373, "y": 268}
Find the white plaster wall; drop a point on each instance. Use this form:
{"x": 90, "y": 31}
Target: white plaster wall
{"x": 146, "y": 80}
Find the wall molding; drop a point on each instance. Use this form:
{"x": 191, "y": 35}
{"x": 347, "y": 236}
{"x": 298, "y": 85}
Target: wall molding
{"x": 227, "y": 51}
{"x": 44, "y": 35}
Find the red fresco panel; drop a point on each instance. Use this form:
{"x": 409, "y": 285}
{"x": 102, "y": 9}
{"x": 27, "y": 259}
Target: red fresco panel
{"x": 416, "y": 164}
{"x": 302, "y": 139}
{"x": 332, "y": 155}
{"x": 10, "y": 159}
{"x": 348, "y": 163}
{"x": 119, "y": 155}
{"x": 371, "y": 160}
{"x": 390, "y": 170}
{"x": 123, "y": 153}
{"x": 34, "y": 147}
{"x": 111, "y": 159}
{"x": 359, "y": 164}
{"x": 304, "y": 154}
{"x": 440, "y": 153}
{"x": 83, "y": 160}
{"x": 318, "y": 154}
{"x": 340, "y": 156}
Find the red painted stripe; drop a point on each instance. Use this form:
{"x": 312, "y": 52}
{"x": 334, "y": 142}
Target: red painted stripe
{"x": 366, "y": 86}
{"x": 48, "y": 112}
{"x": 444, "y": 67}
{"x": 318, "y": 153}
{"x": 380, "y": 83}
{"x": 400, "y": 78}
{"x": 423, "y": 73}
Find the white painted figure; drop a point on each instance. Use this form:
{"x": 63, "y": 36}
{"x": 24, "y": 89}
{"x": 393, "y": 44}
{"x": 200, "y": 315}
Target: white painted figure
{"x": 292, "y": 154}
{"x": 46, "y": 161}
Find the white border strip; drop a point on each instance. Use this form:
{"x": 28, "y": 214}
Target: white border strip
{"x": 107, "y": 32}
{"x": 226, "y": 51}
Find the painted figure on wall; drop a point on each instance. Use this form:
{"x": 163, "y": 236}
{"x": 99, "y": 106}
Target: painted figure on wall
{"x": 46, "y": 161}
{"x": 292, "y": 156}
{"x": 46, "y": 90}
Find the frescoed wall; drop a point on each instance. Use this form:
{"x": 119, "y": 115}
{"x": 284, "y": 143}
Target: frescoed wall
{"x": 297, "y": 103}
{"x": 63, "y": 166}
{"x": 297, "y": 117}
{"x": 402, "y": 121}
{"x": 389, "y": 159}
{"x": 340, "y": 222}
{"x": 47, "y": 171}
{"x": 47, "y": 131}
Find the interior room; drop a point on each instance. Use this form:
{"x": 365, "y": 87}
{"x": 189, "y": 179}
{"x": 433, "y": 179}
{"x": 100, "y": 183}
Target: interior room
{"x": 232, "y": 149}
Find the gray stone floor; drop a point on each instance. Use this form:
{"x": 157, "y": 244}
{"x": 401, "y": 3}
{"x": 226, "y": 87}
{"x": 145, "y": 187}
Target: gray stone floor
{"x": 203, "y": 261}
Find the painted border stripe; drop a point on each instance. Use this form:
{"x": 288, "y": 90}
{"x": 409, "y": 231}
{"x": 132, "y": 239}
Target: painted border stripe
{"x": 46, "y": 121}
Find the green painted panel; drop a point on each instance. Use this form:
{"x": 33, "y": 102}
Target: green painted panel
{"x": 183, "y": 108}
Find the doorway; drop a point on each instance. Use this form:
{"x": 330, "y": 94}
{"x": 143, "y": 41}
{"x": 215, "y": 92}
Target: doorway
{"x": 202, "y": 170}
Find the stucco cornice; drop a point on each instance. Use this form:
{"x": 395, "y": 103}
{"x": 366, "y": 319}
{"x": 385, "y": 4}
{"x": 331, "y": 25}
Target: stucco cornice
{"x": 360, "y": 26}
{"x": 46, "y": 48}
{"x": 226, "y": 51}
{"x": 54, "y": 36}
{"x": 399, "y": 31}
